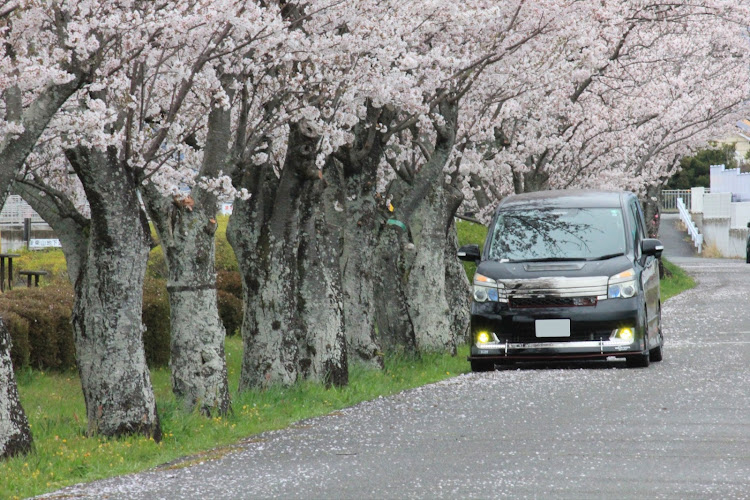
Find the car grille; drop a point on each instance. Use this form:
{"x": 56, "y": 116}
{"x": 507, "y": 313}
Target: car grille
{"x": 522, "y": 334}
{"x": 554, "y": 291}
{"x": 528, "y": 302}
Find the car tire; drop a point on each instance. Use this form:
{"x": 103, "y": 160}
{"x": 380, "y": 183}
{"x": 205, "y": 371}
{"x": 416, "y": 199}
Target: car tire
{"x": 638, "y": 360}
{"x": 656, "y": 354}
{"x": 482, "y": 366}
{"x": 747, "y": 258}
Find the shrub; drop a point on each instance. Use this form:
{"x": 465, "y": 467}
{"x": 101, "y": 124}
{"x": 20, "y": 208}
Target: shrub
{"x": 229, "y": 281}
{"x": 20, "y": 351}
{"x": 230, "y": 311}
{"x": 40, "y": 319}
{"x": 156, "y": 338}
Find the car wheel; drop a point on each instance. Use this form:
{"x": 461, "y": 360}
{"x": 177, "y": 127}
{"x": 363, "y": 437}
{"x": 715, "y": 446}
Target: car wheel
{"x": 656, "y": 353}
{"x": 482, "y": 366}
{"x": 747, "y": 258}
{"x": 638, "y": 360}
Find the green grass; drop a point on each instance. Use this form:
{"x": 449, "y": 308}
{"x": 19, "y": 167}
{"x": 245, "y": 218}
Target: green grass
{"x": 675, "y": 281}
{"x": 63, "y": 455}
{"x": 468, "y": 233}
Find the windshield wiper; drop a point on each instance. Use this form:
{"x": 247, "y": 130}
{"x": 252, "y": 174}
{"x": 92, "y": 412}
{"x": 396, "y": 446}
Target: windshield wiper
{"x": 607, "y": 257}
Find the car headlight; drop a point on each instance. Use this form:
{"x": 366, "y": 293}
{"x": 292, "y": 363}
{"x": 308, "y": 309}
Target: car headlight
{"x": 622, "y": 285}
{"x": 483, "y": 337}
{"x": 486, "y": 289}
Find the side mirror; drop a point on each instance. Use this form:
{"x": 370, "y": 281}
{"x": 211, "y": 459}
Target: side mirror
{"x": 652, "y": 246}
{"x": 748, "y": 224}
{"x": 469, "y": 253}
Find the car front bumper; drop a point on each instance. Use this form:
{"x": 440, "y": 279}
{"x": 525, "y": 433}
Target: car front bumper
{"x": 512, "y": 331}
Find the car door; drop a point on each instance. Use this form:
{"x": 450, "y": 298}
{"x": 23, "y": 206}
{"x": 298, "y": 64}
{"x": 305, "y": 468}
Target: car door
{"x": 649, "y": 275}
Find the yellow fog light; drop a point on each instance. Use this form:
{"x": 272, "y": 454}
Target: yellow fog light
{"x": 483, "y": 337}
{"x": 625, "y": 334}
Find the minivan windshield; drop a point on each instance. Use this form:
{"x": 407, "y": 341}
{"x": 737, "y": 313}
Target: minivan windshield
{"x": 558, "y": 234}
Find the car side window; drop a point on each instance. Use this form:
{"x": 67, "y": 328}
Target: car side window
{"x": 641, "y": 219}
{"x": 638, "y": 228}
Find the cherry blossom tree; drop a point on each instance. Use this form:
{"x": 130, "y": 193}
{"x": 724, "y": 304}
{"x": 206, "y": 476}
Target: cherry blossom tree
{"x": 630, "y": 89}
{"x": 44, "y": 59}
{"x": 116, "y": 137}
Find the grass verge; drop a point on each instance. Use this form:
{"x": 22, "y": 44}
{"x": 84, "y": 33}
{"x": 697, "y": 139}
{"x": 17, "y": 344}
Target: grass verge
{"x": 63, "y": 455}
{"x": 676, "y": 281}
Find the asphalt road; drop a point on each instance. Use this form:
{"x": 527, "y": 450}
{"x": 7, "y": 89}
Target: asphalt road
{"x": 678, "y": 429}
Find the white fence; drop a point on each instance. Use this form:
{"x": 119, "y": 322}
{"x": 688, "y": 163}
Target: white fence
{"x": 731, "y": 180}
{"x": 694, "y": 234}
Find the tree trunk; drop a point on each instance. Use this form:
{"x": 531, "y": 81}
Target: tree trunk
{"x": 288, "y": 253}
{"x": 412, "y": 254}
{"x": 651, "y": 211}
{"x": 426, "y": 286}
{"x": 264, "y": 232}
{"x": 322, "y": 348}
{"x": 394, "y": 253}
{"x": 15, "y": 434}
{"x": 197, "y": 358}
{"x": 358, "y": 281}
{"x": 186, "y": 230}
{"x": 457, "y": 286}
{"x": 360, "y": 219}
{"x": 108, "y": 301}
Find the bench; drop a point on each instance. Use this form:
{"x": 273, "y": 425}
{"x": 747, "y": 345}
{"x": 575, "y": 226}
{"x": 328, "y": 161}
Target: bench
{"x": 29, "y": 274}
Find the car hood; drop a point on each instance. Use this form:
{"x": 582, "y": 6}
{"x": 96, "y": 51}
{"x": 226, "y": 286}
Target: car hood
{"x": 574, "y": 269}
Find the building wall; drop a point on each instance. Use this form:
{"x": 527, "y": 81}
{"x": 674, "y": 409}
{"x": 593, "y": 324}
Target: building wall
{"x": 741, "y": 145}
{"x": 731, "y": 180}
{"x": 740, "y": 215}
{"x": 717, "y": 205}
{"x": 723, "y": 223}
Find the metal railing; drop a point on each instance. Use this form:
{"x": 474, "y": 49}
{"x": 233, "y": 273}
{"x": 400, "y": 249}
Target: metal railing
{"x": 16, "y": 210}
{"x": 669, "y": 199}
{"x": 692, "y": 230}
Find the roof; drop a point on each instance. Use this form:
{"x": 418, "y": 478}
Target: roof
{"x": 576, "y": 198}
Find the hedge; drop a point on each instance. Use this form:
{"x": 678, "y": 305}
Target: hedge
{"x": 39, "y": 321}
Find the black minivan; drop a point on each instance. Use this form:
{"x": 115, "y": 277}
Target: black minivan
{"x": 567, "y": 274}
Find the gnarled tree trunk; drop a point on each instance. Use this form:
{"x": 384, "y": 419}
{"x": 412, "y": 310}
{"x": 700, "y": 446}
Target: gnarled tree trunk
{"x": 361, "y": 221}
{"x": 412, "y": 286}
{"x": 457, "y": 286}
{"x": 285, "y": 249}
{"x": 186, "y": 230}
{"x": 197, "y": 358}
{"x": 322, "y": 346}
{"x": 651, "y": 211}
{"x": 15, "y": 434}
{"x": 108, "y": 301}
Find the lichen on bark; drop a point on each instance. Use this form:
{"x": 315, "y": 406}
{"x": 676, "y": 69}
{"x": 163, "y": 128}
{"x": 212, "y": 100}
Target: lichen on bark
{"x": 15, "y": 433}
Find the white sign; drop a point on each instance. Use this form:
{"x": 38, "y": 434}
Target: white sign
{"x": 44, "y": 243}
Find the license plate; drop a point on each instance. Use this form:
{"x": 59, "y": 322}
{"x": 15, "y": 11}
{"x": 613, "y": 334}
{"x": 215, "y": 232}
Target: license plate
{"x": 553, "y": 328}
